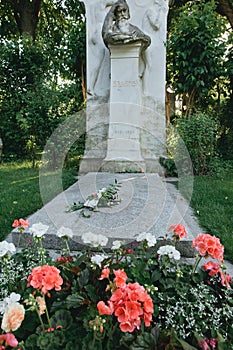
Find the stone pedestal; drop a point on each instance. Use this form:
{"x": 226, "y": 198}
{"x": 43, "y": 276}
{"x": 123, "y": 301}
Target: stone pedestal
{"x": 123, "y": 143}
{"x": 101, "y": 141}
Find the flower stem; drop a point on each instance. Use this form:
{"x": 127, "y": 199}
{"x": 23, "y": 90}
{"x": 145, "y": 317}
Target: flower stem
{"x": 42, "y": 323}
{"x": 196, "y": 264}
{"x": 20, "y": 231}
{"x": 67, "y": 247}
{"x": 94, "y": 338}
{"x": 47, "y": 314}
{"x": 18, "y": 241}
{"x": 110, "y": 337}
{"x": 42, "y": 252}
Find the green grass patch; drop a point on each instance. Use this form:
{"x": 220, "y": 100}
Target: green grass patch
{"x": 212, "y": 201}
{"x": 212, "y": 198}
{"x": 20, "y": 191}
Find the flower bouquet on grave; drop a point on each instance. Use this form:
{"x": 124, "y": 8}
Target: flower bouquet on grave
{"x": 105, "y": 197}
{"x": 136, "y": 297}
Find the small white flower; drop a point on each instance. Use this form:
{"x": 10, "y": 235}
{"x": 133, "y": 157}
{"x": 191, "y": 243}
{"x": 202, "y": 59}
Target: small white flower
{"x": 102, "y": 191}
{"x": 116, "y": 245}
{"x": 12, "y": 299}
{"x": 94, "y": 240}
{"x": 151, "y": 240}
{"x": 169, "y": 250}
{"x": 91, "y": 203}
{"x": 6, "y": 247}
{"x": 65, "y": 232}
{"x": 39, "y": 230}
{"x": 98, "y": 258}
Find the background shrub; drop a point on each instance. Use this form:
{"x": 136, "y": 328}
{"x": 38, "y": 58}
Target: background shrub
{"x": 199, "y": 134}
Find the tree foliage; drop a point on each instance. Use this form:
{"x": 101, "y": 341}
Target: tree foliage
{"x": 41, "y": 75}
{"x": 223, "y": 7}
{"x": 196, "y": 47}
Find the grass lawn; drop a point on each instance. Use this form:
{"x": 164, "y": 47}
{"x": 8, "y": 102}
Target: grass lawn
{"x": 20, "y": 193}
{"x": 212, "y": 201}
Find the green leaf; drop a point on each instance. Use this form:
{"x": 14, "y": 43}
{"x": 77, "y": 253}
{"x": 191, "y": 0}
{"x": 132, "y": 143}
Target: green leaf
{"x": 145, "y": 341}
{"x": 83, "y": 278}
{"x": 156, "y": 275}
{"x": 74, "y": 300}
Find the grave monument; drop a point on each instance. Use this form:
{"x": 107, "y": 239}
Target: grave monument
{"x": 126, "y": 64}
{"x": 125, "y": 133}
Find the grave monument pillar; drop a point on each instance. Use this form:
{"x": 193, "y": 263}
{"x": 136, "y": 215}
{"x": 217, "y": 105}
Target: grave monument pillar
{"x": 141, "y": 140}
{"x": 123, "y": 144}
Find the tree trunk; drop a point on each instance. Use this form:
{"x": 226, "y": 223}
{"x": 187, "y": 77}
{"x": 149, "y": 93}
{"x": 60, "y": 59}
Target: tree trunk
{"x": 190, "y": 103}
{"x": 27, "y": 15}
{"x": 167, "y": 104}
{"x": 225, "y": 8}
{"x": 83, "y": 82}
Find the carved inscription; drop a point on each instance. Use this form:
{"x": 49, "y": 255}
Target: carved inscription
{"x": 126, "y": 83}
{"x": 123, "y": 132}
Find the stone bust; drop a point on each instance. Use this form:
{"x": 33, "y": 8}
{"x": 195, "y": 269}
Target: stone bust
{"x": 117, "y": 30}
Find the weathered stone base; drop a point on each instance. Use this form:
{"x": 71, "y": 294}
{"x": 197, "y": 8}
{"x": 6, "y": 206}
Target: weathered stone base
{"x": 123, "y": 166}
{"x": 154, "y": 166}
{"x": 101, "y": 165}
{"x": 52, "y": 242}
{"x": 90, "y": 165}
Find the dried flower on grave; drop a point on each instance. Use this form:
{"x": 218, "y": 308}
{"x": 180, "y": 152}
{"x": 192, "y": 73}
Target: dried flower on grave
{"x": 45, "y": 278}
{"x": 13, "y": 317}
{"x": 105, "y": 197}
{"x": 208, "y": 246}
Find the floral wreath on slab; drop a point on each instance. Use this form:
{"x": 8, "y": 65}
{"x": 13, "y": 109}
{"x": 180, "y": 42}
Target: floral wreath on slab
{"x": 105, "y": 197}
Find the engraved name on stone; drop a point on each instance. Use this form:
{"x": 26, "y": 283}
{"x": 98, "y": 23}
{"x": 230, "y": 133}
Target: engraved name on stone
{"x": 118, "y": 83}
{"x": 123, "y": 131}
